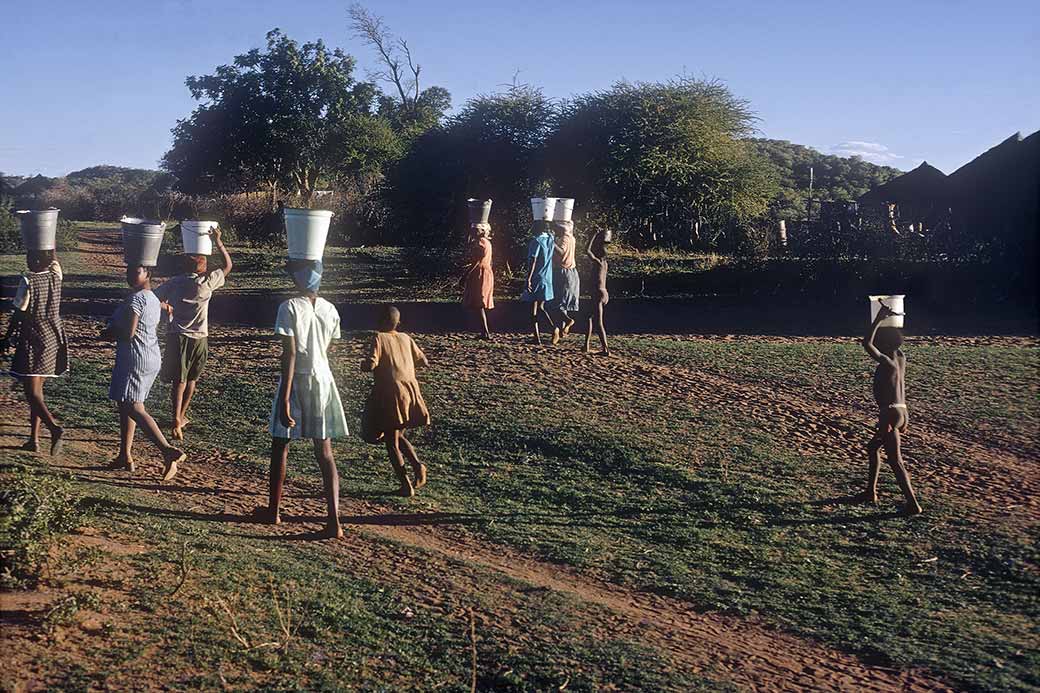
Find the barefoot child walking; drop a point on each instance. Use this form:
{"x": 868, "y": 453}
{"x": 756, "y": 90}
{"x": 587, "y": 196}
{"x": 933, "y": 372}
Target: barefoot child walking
{"x": 186, "y": 299}
{"x": 597, "y": 252}
{"x": 566, "y": 283}
{"x": 479, "y": 293}
{"x": 395, "y": 403}
{"x": 137, "y": 364}
{"x": 539, "y": 288}
{"x": 41, "y": 350}
{"x": 307, "y": 404}
{"x": 882, "y": 344}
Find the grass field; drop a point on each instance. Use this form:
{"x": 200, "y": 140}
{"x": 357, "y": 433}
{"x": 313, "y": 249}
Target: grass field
{"x": 671, "y": 518}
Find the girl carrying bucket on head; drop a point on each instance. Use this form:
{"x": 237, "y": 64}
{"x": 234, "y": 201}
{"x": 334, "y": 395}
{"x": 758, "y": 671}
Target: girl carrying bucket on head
{"x": 41, "y": 350}
{"x": 137, "y": 364}
{"x": 479, "y": 294}
{"x": 539, "y": 287}
{"x": 566, "y": 284}
{"x": 395, "y": 403}
{"x": 307, "y": 404}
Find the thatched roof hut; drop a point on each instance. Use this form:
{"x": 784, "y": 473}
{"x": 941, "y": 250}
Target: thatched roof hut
{"x": 924, "y": 186}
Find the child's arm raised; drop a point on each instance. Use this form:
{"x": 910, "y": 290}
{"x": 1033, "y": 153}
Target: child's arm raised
{"x": 868, "y": 340}
{"x": 286, "y": 383}
{"x": 225, "y": 256}
{"x": 588, "y": 251}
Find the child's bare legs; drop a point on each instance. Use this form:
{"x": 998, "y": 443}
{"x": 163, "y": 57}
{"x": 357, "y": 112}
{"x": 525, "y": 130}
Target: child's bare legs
{"x": 127, "y": 428}
{"x": 597, "y": 317}
{"x": 393, "y": 447}
{"x": 180, "y": 397}
{"x": 33, "y": 444}
{"x": 140, "y": 416}
{"x": 873, "y": 469}
{"x": 330, "y": 481}
{"x": 418, "y": 468}
{"x": 484, "y": 323}
{"x": 567, "y": 322}
{"x": 276, "y": 479}
{"x": 895, "y": 460}
{"x": 888, "y": 436}
{"x": 33, "y": 387}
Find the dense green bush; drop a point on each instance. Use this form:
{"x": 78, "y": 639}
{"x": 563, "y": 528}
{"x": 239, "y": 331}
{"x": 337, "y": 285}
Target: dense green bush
{"x": 35, "y": 509}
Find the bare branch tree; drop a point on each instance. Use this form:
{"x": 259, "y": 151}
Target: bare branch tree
{"x": 371, "y": 29}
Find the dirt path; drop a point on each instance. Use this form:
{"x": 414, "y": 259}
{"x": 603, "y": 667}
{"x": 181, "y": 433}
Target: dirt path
{"x": 747, "y": 652}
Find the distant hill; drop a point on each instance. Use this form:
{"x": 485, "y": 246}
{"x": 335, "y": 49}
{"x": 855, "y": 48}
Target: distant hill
{"x": 96, "y": 192}
{"x": 835, "y": 177}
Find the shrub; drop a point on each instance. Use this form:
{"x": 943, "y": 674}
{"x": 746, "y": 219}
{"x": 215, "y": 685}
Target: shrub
{"x": 34, "y": 510}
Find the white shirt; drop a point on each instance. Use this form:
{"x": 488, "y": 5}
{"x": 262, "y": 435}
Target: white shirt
{"x": 314, "y": 326}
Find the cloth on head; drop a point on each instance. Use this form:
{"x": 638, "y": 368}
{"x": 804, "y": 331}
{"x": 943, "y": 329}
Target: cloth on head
{"x": 309, "y": 277}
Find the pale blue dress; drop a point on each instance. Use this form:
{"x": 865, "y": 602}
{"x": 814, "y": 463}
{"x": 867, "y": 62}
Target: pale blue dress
{"x": 540, "y": 253}
{"x": 138, "y": 359}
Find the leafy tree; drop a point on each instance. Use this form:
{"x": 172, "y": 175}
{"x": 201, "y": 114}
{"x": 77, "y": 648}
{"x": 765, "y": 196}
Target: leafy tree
{"x": 490, "y": 149}
{"x": 834, "y": 177}
{"x": 669, "y": 160}
{"x": 288, "y": 118}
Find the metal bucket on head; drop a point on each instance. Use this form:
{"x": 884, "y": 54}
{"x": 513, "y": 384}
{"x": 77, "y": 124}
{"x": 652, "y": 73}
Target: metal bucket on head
{"x": 142, "y": 239}
{"x": 564, "y": 209}
{"x": 197, "y": 237}
{"x": 479, "y": 210}
{"x": 894, "y": 303}
{"x": 306, "y": 231}
{"x": 39, "y": 228}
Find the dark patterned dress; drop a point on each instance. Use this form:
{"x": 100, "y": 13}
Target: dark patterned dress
{"x": 42, "y": 349}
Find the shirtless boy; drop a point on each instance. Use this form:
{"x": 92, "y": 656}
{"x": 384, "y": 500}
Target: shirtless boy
{"x": 882, "y": 344}
{"x": 597, "y": 253}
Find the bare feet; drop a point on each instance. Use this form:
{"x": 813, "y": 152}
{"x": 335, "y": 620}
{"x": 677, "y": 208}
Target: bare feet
{"x": 911, "y": 509}
{"x": 264, "y": 515}
{"x": 30, "y": 446}
{"x": 119, "y": 463}
{"x": 556, "y": 336}
{"x": 865, "y": 498}
{"x": 406, "y": 490}
{"x": 177, "y": 433}
{"x": 171, "y": 458}
{"x": 567, "y": 328}
{"x": 57, "y": 444}
{"x": 420, "y": 476}
{"x": 334, "y": 530}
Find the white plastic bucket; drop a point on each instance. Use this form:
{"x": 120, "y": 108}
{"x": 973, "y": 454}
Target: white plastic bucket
{"x": 564, "y": 209}
{"x": 39, "y": 228}
{"x": 306, "y": 231}
{"x": 196, "y": 236}
{"x": 543, "y": 208}
{"x": 894, "y": 303}
{"x": 142, "y": 239}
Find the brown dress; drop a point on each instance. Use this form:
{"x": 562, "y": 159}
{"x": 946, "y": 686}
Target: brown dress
{"x": 395, "y": 402}
{"x": 480, "y": 280}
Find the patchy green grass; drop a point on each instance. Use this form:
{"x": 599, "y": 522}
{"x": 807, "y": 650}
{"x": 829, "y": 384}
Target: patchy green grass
{"x": 982, "y": 392}
{"x": 196, "y": 607}
{"x": 668, "y": 495}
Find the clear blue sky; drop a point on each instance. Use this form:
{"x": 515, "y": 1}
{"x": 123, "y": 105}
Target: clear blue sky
{"x": 84, "y": 83}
